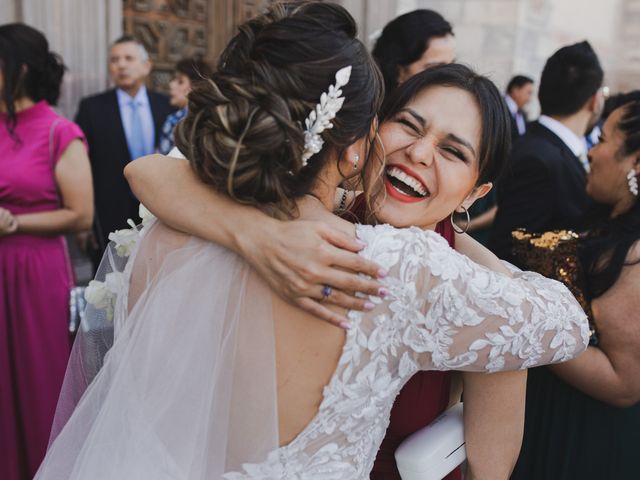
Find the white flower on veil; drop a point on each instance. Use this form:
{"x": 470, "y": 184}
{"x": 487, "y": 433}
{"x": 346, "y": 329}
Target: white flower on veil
{"x": 125, "y": 240}
{"x": 98, "y": 294}
{"x": 102, "y": 295}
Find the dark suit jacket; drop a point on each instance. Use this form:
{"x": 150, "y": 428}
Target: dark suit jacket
{"x": 514, "y": 127}
{"x": 99, "y": 118}
{"x": 544, "y": 189}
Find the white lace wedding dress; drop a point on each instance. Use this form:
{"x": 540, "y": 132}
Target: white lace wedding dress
{"x": 147, "y": 414}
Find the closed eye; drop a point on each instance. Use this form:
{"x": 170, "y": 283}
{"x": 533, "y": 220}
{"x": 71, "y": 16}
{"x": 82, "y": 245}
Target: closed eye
{"x": 457, "y": 153}
{"x": 409, "y": 124}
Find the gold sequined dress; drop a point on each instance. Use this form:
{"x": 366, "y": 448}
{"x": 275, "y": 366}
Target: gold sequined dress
{"x": 569, "y": 435}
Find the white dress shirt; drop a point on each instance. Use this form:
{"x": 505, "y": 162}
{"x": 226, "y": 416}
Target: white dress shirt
{"x": 570, "y": 139}
{"x": 516, "y": 113}
{"x": 146, "y": 117}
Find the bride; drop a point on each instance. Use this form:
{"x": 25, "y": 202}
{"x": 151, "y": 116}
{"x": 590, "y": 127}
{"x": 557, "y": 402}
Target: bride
{"x": 211, "y": 374}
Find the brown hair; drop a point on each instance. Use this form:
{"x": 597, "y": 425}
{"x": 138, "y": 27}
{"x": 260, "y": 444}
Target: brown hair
{"x": 194, "y": 68}
{"x": 244, "y": 131}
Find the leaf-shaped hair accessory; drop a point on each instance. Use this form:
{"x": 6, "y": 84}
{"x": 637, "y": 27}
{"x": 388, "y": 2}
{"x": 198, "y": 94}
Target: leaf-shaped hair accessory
{"x": 320, "y": 118}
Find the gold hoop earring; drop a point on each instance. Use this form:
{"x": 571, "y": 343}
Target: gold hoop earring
{"x": 456, "y": 228}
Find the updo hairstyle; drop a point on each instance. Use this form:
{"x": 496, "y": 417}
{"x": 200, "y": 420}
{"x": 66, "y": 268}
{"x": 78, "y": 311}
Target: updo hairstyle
{"x": 244, "y": 129}
{"x": 28, "y": 68}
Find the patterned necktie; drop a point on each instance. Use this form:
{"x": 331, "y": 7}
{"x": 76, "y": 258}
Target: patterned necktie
{"x": 136, "y": 135}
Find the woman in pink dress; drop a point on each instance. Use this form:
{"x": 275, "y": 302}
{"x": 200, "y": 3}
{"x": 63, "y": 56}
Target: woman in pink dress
{"x": 45, "y": 191}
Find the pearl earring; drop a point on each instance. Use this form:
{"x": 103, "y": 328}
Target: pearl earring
{"x": 356, "y": 159}
{"x": 632, "y": 180}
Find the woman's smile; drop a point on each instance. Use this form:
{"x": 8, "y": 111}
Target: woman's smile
{"x": 405, "y": 185}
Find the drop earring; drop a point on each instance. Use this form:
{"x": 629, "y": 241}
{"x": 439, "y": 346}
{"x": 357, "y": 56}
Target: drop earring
{"x": 356, "y": 159}
{"x": 632, "y": 180}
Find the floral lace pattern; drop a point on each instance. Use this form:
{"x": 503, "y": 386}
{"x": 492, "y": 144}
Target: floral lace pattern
{"x": 443, "y": 312}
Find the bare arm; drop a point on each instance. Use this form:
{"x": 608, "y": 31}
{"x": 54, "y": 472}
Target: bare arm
{"x": 467, "y": 245}
{"x": 493, "y": 403}
{"x": 611, "y": 371}
{"x": 493, "y": 422}
{"x": 73, "y": 177}
{"x": 295, "y": 257}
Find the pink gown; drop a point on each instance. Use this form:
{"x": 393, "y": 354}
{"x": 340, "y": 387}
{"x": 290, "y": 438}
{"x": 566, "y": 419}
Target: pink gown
{"x": 35, "y": 278}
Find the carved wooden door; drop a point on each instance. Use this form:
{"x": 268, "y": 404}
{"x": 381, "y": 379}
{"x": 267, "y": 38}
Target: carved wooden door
{"x": 175, "y": 29}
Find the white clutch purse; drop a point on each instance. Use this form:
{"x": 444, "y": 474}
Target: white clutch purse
{"x": 434, "y": 451}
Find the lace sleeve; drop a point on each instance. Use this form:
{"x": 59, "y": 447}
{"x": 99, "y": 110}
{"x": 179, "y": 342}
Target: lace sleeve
{"x": 458, "y": 315}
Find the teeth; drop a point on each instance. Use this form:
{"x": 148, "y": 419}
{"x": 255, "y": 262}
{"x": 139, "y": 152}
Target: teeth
{"x": 408, "y": 180}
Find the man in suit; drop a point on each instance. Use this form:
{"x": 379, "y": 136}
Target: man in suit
{"x": 121, "y": 124}
{"x": 544, "y": 188}
{"x": 519, "y": 92}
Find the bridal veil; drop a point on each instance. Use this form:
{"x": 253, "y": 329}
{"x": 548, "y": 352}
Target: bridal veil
{"x": 172, "y": 375}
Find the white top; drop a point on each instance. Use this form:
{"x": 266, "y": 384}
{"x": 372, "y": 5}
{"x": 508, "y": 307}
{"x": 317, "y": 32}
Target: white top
{"x": 150, "y": 411}
{"x": 570, "y": 139}
{"x": 444, "y": 312}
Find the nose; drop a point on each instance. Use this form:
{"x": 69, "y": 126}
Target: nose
{"x": 421, "y": 151}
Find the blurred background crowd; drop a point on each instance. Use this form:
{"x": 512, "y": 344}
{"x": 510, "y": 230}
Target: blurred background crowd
{"x": 119, "y": 80}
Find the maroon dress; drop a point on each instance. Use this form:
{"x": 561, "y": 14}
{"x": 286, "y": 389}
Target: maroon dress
{"x": 421, "y": 400}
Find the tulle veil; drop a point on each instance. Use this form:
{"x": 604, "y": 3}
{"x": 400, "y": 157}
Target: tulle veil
{"x": 172, "y": 374}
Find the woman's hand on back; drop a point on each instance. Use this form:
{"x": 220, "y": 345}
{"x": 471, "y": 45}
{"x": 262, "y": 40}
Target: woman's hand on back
{"x": 299, "y": 258}
{"x": 296, "y": 258}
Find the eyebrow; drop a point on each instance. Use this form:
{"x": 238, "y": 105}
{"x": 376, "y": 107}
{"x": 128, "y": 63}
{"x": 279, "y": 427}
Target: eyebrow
{"x": 415, "y": 115}
{"x": 462, "y": 141}
{"x": 450, "y": 136}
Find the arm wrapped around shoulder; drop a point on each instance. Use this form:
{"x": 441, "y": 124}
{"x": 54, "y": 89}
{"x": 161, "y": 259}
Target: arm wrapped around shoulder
{"x": 458, "y": 315}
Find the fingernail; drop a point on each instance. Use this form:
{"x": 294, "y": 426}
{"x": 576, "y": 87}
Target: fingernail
{"x": 383, "y": 292}
{"x": 369, "y": 306}
{"x": 345, "y": 325}
{"x": 382, "y": 273}
{"x": 361, "y": 244}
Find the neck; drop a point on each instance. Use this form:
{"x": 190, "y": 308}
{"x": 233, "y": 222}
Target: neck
{"x": 20, "y": 104}
{"x": 577, "y": 123}
{"x": 329, "y": 179}
{"x": 623, "y": 206}
{"x": 131, "y": 91}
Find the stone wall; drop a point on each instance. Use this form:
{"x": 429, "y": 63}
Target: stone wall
{"x": 80, "y": 31}
{"x": 501, "y": 38}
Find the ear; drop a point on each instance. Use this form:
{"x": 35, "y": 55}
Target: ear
{"x": 147, "y": 67}
{"x": 477, "y": 193}
{"x": 353, "y": 157}
{"x": 592, "y": 102}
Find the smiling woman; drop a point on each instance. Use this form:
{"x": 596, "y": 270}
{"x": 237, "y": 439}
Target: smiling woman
{"x": 434, "y": 155}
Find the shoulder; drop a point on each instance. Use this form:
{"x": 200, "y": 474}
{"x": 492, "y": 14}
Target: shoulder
{"x": 101, "y": 97}
{"x": 388, "y": 245}
{"x": 64, "y": 132}
{"x": 64, "y": 126}
{"x": 158, "y": 97}
{"x": 378, "y": 235}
